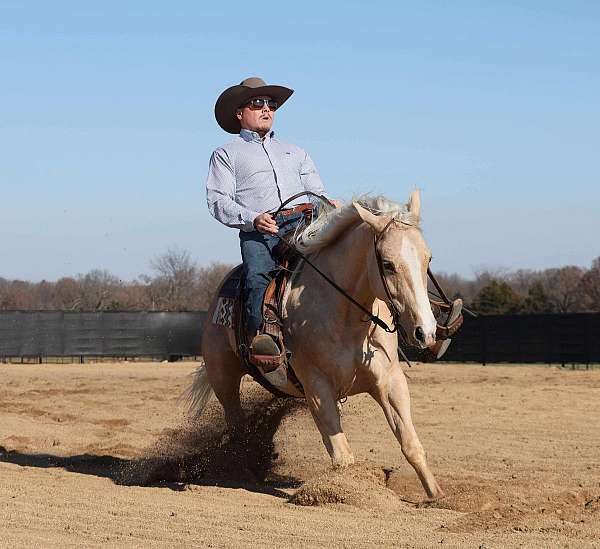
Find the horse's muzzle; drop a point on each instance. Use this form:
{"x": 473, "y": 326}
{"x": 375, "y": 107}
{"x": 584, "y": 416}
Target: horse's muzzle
{"x": 422, "y": 338}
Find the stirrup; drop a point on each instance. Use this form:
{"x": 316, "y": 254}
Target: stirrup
{"x": 265, "y": 353}
{"x": 435, "y": 351}
{"x": 452, "y": 323}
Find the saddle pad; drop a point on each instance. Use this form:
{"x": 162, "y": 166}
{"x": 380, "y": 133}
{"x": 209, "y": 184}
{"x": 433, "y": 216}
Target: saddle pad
{"x": 231, "y": 287}
{"x": 227, "y": 297}
{"x": 223, "y": 315}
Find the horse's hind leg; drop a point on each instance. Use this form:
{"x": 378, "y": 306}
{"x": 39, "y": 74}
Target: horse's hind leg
{"x": 224, "y": 371}
{"x": 322, "y": 404}
{"x": 394, "y": 398}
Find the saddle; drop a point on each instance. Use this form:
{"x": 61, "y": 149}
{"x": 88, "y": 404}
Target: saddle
{"x": 230, "y": 312}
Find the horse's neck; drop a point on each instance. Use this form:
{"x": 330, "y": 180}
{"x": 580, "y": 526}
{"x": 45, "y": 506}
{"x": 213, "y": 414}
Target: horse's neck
{"x": 346, "y": 262}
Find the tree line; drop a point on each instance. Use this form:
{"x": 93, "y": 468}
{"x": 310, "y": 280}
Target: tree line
{"x": 568, "y": 289}
{"x": 178, "y": 283}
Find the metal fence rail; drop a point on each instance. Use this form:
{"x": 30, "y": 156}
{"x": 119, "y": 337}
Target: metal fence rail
{"x": 569, "y": 338}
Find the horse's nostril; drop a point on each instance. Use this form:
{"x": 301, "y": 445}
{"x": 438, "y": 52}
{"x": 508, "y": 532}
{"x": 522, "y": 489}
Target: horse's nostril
{"x": 419, "y": 334}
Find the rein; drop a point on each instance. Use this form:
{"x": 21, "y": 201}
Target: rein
{"x": 321, "y": 197}
{"x": 397, "y": 327}
{"x": 373, "y": 318}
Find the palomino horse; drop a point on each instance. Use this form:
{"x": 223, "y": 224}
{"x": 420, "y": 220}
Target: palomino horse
{"x": 336, "y": 353}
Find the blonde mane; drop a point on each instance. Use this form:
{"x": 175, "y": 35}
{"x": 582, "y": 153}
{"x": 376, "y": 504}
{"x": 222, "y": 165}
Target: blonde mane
{"x": 332, "y": 223}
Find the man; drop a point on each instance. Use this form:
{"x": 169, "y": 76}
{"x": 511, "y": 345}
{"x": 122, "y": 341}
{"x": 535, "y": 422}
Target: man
{"x": 249, "y": 178}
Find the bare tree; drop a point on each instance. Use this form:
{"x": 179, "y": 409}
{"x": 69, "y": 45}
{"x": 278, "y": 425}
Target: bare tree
{"x": 4, "y": 289}
{"x": 174, "y": 284}
{"x": 453, "y": 285}
{"x": 590, "y": 287}
{"x": 563, "y": 288}
{"x": 43, "y": 295}
{"x": 131, "y": 296}
{"x": 96, "y": 290}
{"x": 66, "y": 294}
{"x": 522, "y": 280}
{"x": 208, "y": 280}
{"x": 17, "y": 294}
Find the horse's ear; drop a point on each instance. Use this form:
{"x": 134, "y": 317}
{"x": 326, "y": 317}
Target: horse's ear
{"x": 414, "y": 203}
{"x": 377, "y": 222}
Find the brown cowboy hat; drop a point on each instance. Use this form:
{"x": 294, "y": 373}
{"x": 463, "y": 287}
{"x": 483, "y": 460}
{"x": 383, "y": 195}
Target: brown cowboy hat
{"x": 236, "y": 96}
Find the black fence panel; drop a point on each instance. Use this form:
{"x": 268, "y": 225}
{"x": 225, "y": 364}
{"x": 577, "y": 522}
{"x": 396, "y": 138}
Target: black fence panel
{"x": 567, "y": 338}
{"x": 131, "y": 333}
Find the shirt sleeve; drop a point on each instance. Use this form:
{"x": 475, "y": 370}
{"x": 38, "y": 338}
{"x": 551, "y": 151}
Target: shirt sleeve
{"x": 312, "y": 180}
{"x": 220, "y": 194}
{"x": 309, "y": 176}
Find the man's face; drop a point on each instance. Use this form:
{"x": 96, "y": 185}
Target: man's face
{"x": 258, "y": 120}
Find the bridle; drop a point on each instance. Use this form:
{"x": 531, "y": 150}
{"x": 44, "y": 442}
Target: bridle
{"x": 390, "y": 300}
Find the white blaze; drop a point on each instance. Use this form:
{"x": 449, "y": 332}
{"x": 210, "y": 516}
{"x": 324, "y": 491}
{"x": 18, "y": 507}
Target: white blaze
{"x": 425, "y": 318}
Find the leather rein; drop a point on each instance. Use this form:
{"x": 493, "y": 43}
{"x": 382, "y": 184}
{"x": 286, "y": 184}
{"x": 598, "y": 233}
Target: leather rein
{"x": 397, "y": 327}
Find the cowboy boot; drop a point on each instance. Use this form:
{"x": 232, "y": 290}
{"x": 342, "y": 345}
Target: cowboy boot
{"x": 450, "y": 326}
{"x": 264, "y": 344}
{"x": 265, "y": 353}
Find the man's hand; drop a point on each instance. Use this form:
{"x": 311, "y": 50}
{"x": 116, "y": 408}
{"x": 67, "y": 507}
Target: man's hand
{"x": 336, "y": 203}
{"x": 264, "y": 223}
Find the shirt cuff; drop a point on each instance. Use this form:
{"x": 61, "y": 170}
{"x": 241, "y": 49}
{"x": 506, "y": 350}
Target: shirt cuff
{"x": 247, "y": 218}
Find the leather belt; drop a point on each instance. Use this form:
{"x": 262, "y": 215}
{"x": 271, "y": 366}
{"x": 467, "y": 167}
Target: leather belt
{"x": 296, "y": 209}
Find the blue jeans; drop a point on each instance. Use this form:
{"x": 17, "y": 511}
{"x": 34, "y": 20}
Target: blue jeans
{"x": 259, "y": 264}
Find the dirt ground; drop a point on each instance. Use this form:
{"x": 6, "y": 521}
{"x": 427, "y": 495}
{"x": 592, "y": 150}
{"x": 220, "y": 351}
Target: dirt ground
{"x": 101, "y": 454}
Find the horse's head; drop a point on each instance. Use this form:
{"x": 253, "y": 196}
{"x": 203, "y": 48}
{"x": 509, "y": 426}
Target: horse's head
{"x": 399, "y": 274}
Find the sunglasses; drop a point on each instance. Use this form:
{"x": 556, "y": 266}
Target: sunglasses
{"x": 259, "y": 103}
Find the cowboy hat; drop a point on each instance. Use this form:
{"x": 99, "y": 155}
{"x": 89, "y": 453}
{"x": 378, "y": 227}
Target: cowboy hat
{"x": 236, "y": 96}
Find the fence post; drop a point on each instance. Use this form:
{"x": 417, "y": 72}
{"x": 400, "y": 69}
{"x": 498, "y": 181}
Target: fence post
{"x": 483, "y": 340}
{"x": 587, "y": 339}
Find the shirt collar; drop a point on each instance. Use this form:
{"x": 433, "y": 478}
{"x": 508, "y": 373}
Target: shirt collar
{"x": 248, "y": 135}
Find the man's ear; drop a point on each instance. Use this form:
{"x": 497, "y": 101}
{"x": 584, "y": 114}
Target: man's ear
{"x": 238, "y": 113}
{"x": 377, "y": 222}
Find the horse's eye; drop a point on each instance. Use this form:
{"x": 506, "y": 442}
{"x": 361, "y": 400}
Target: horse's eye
{"x": 389, "y": 266}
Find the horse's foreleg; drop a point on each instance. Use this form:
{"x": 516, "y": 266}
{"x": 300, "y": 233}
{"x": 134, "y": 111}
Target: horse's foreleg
{"x": 322, "y": 404}
{"x": 394, "y": 398}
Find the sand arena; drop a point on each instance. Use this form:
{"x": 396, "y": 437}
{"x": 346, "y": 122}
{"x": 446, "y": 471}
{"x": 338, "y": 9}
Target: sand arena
{"x": 101, "y": 453}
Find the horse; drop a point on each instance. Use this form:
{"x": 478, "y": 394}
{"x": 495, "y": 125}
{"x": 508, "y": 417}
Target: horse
{"x": 337, "y": 351}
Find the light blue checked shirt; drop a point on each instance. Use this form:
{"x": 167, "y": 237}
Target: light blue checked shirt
{"x": 249, "y": 176}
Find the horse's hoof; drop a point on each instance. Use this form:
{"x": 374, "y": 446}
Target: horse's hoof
{"x": 432, "y": 501}
{"x": 345, "y": 461}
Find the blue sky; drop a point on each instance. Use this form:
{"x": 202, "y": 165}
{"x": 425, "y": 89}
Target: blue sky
{"x": 492, "y": 109}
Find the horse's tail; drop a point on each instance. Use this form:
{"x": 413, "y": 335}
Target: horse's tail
{"x": 197, "y": 395}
